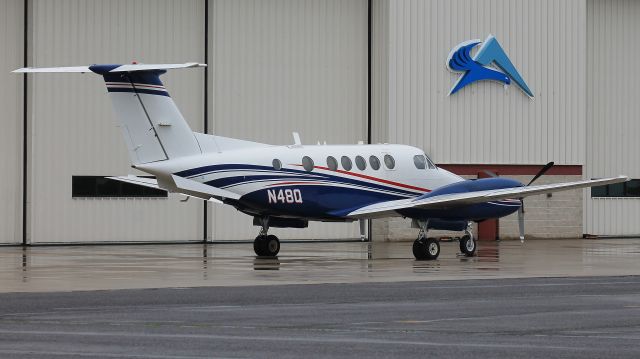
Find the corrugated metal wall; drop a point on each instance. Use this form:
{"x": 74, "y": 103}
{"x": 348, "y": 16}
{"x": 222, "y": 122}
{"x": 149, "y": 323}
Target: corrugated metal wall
{"x": 11, "y": 118}
{"x": 278, "y": 66}
{"x": 484, "y": 123}
{"x": 380, "y": 71}
{"x": 613, "y": 120}
{"x": 72, "y": 128}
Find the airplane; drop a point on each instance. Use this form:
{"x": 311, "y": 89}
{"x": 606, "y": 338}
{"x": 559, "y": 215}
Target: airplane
{"x": 286, "y": 186}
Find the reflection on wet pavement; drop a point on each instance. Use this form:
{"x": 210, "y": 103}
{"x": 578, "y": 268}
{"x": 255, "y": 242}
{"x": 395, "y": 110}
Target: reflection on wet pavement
{"x": 62, "y": 268}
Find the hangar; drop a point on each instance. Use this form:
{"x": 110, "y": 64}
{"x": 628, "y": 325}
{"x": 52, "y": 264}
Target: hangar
{"x": 339, "y": 71}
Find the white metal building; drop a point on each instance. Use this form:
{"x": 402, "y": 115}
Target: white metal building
{"x": 334, "y": 70}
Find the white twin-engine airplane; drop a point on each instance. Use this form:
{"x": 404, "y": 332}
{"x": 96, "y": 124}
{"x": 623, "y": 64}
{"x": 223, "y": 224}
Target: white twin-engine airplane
{"x": 287, "y": 186}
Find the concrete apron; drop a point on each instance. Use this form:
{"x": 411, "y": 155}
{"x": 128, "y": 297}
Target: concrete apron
{"x": 72, "y": 268}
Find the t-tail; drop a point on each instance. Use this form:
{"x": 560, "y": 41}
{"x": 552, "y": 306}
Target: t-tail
{"x": 152, "y": 126}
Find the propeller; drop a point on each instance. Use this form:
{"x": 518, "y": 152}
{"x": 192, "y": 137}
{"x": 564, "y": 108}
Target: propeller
{"x": 542, "y": 171}
{"x": 490, "y": 174}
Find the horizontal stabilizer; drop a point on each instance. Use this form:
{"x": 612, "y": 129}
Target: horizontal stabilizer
{"x": 140, "y": 181}
{"x": 116, "y": 68}
{"x": 390, "y": 208}
{"x": 81, "y": 69}
{"x": 183, "y": 186}
{"x": 201, "y": 190}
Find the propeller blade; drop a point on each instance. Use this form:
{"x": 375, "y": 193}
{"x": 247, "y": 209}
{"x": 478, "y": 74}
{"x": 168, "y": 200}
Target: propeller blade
{"x": 521, "y": 221}
{"x": 541, "y": 172}
{"x": 491, "y": 174}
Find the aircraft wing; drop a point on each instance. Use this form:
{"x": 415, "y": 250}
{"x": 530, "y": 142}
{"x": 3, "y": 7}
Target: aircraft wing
{"x": 389, "y": 208}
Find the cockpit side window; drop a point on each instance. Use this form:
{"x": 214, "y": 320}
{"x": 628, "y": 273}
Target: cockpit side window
{"x": 420, "y": 162}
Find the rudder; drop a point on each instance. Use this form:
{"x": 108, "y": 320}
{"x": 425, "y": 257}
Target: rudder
{"x": 151, "y": 123}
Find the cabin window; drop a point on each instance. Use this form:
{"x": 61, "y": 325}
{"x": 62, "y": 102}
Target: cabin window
{"x": 389, "y": 161}
{"x": 374, "y": 162}
{"x": 277, "y": 165}
{"x": 361, "y": 163}
{"x": 99, "y": 186}
{"x": 332, "y": 163}
{"x": 420, "y": 162}
{"x": 307, "y": 163}
{"x": 346, "y": 163}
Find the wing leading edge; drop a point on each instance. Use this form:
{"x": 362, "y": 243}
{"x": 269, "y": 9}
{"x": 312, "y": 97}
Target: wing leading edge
{"x": 389, "y": 208}
{"x": 118, "y": 68}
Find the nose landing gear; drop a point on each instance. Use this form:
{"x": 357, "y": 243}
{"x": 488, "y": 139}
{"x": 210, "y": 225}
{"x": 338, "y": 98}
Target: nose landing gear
{"x": 468, "y": 244}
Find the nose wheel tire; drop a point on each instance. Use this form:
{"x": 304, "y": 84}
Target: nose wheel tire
{"x": 266, "y": 246}
{"x": 468, "y": 246}
{"x": 426, "y": 248}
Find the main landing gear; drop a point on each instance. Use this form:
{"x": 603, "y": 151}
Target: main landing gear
{"x": 266, "y": 245}
{"x": 425, "y": 248}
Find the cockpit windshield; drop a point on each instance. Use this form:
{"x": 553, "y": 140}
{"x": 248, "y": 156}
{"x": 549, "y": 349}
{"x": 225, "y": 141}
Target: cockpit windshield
{"x": 430, "y": 163}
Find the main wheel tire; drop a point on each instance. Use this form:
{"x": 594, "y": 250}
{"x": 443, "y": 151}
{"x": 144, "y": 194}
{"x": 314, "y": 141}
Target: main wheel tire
{"x": 271, "y": 246}
{"x": 426, "y": 248}
{"x": 258, "y": 245}
{"x": 468, "y": 246}
{"x": 419, "y": 248}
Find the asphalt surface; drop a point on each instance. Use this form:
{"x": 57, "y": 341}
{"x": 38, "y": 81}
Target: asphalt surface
{"x": 586, "y": 317}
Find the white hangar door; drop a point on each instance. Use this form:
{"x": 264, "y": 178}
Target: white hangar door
{"x": 11, "y": 120}
{"x": 278, "y": 66}
{"x": 73, "y": 131}
{"x": 613, "y": 123}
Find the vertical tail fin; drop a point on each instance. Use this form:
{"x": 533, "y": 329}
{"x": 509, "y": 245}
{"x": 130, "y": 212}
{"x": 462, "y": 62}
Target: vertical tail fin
{"x": 152, "y": 126}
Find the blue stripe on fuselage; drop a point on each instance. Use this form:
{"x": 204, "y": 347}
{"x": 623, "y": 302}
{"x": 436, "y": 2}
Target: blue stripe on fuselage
{"x": 138, "y": 90}
{"x": 307, "y": 175}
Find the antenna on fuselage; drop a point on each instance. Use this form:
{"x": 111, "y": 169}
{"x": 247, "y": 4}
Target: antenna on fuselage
{"x": 296, "y": 139}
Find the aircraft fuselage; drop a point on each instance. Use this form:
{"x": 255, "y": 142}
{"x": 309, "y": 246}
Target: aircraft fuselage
{"x": 326, "y": 182}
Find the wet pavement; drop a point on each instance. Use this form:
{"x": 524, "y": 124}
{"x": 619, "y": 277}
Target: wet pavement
{"x": 73, "y": 268}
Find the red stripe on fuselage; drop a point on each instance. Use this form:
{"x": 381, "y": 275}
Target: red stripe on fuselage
{"x": 372, "y": 178}
{"x": 298, "y": 182}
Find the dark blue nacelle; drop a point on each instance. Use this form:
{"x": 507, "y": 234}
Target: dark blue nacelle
{"x": 474, "y": 212}
{"x": 483, "y": 184}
